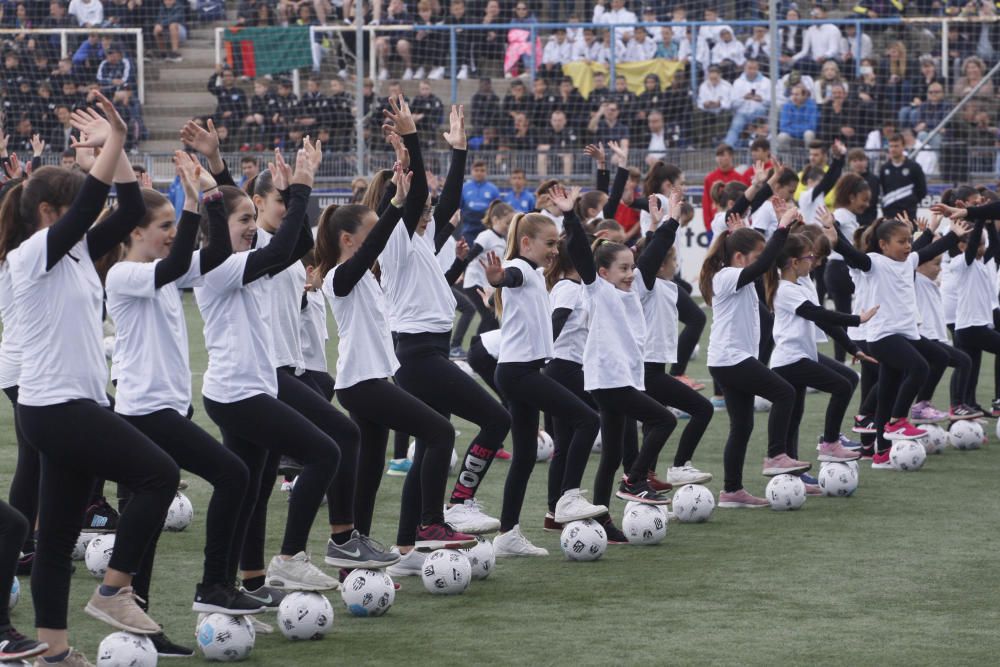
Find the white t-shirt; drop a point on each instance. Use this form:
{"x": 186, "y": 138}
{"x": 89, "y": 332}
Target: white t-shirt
{"x": 764, "y": 219}
{"x": 557, "y": 219}
{"x": 808, "y": 206}
{"x": 364, "y": 351}
{"x": 949, "y": 286}
{"x": 446, "y": 255}
{"x": 285, "y": 303}
{"x": 526, "y": 330}
{"x": 978, "y": 294}
{"x": 474, "y": 274}
{"x": 573, "y": 337}
{"x": 808, "y": 283}
{"x": 932, "y": 323}
{"x": 659, "y": 308}
{"x": 862, "y": 302}
{"x": 314, "y": 333}
{"x": 735, "y": 331}
{"x": 719, "y": 223}
{"x": 59, "y": 325}
{"x": 87, "y": 13}
{"x": 419, "y": 298}
{"x": 10, "y": 347}
{"x": 613, "y": 355}
{"x": 491, "y": 342}
{"x": 892, "y": 289}
{"x": 151, "y": 343}
{"x": 848, "y": 225}
{"x": 794, "y": 336}
{"x": 237, "y": 333}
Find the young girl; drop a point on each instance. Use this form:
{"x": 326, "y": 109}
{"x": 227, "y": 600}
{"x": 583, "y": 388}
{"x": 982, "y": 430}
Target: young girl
{"x": 783, "y": 183}
{"x": 736, "y": 259}
{"x": 492, "y": 239}
{"x": 817, "y": 183}
{"x": 852, "y": 198}
{"x": 525, "y": 344}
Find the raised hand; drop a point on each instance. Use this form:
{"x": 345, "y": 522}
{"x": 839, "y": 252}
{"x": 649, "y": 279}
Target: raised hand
{"x": 674, "y": 204}
{"x": 37, "y": 145}
{"x": 760, "y": 173}
{"x": 619, "y": 154}
{"x": 735, "y": 221}
{"x": 960, "y": 227}
{"x": 4, "y": 139}
{"x": 205, "y": 141}
{"x": 281, "y": 171}
{"x": 486, "y": 294}
{"x": 934, "y": 223}
{"x": 398, "y": 118}
{"x": 402, "y": 180}
{"x": 307, "y": 161}
{"x": 564, "y": 199}
{"x": 85, "y": 156}
{"x": 455, "y": 136}
{"x": 949, "y": 211}
{"x": 188, "y": 169}
{"x": 97, "y": 128}
{"x": 790, "y": 215}
{"x": 596, "y": 153}
{"x": 655, "y": 212}
{"x": 402, "y": 155}
{"x": 838, "y": 149}
{"x": 824, "y": 216}
{"x": 493, "y": 268}
{"x": 461, "y": 248}
{"x": 868, "y": 314}
{"x": 314, "y": 280}
{"x": 13, "y": 167}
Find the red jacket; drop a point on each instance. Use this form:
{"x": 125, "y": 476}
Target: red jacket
{"x": 707, "y": 205}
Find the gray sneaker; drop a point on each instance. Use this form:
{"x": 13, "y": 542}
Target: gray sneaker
{"x": 298, "y": 574}
{"x": 359, "y": 552}
{"x": 74, "y": 659}
{"x": 270, "y": 597}
{"x": 121, "y": 611}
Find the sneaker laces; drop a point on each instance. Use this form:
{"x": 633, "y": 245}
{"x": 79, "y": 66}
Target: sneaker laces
{"x": 372, "y": 543}
{"x": 15, "y": 635}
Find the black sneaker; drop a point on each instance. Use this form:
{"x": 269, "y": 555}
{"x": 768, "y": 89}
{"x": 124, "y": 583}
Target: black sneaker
{"x": 359, "y": 552}
{"x": 961, "y": 412}
{"x": 15, "y": 646}
{"x": 168, "y": 649}
{"x": 615, "y": 536}
{"x": 641, "y": 492}
{"x": 864, "y": 424}
{"x": 224, "y": 600}
{"x": 100, "y": 518}
{"x": 289, "y": 467}
{"x": 24, "y": 564}
{"x": 996, "y": 407}
{"x": 268, "y": 596}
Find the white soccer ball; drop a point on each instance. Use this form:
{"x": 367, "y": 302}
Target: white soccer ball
{"x": 15, "y": 594}
{"x": 696, "y": 352}
{"x": 965, "y": 434}
{"x": 644, "y": 524}
{"x": 761, "y": 404}
{"x": 546, "y": 447}
{"x": 481, "y": 557}
{"x": 98, "y": 554}
{"x": 907, "y": 455}
{"x": 413, "y": 447}
{"x": 447, "y": 572}
{"x": 693, "y": 503}
{"x": 124, "y": 649}
{"x": 82, "y": 540}
{"x": 305, "y": 616}
{"x": 368, "y": 592}
{"x": 785, "y": 492}
{"x": 936, "y": 439}
{"x": 225, "y": 638}
{"x": 838, "y": 479}
{"x": 180, "y": 513}
{"x": 583, "y": 540}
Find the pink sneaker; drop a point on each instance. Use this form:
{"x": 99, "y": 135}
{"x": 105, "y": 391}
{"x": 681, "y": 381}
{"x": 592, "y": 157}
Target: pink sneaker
{"x": 835, "y": 452}
{"x": 925, "y": 413}
{"x": 881, "y": 461}
{"x": 741, "y": 499}
{"x": 903, "y": 430}
{"x": 503, "y": 454}
{"x": 782, "y": 464}
{"x": 442, "y": 536}
{"x": 813, "y": 490}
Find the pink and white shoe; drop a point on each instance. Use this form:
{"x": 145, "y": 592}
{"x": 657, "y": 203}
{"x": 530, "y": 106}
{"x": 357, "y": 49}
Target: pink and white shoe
{"x": 813, "y": 490}
{"x": 925, "y": 413}
{"x": 903, "y": 430}
{"x": 881, "y": 461}
{"x": 835, "y": 452}
{"x": 740, "y": 500}
{"x": 782, "y": 464}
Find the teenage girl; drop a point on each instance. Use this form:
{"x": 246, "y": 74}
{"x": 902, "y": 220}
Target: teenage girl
{"x": 492, "y": 239}
{"x": 892, "y": 334}
{"x": 736, "y": 259}
{"x": 525, "y": 345}
{"x": 62, "y": 405}
{"x": 314, "y": 334}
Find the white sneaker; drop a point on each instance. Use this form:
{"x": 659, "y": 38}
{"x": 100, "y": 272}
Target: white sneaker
{"x": 298, "y": 574}
{"x": 259, "y": 626}
{"x": 383, "y": 74}
{"x": 287, "y": 486}
{"x": 463, "y": 72}
{"x": 409, "y": 565}
{"x": 513, "y": 543}
{"x": 408, "y": 74}
{"x": 436, "y": 73}
{"x": 470, "y": 518}
{"x": 687, "y": 474}
{"x": 420, "y": 73}
{"x": 574, "y": 507}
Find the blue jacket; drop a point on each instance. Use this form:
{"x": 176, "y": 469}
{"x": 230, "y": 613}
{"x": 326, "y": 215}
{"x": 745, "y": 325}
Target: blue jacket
{"x": 476, "y": 198}
{"x": 796, "y": 120}
{"x": 522, "y": 203}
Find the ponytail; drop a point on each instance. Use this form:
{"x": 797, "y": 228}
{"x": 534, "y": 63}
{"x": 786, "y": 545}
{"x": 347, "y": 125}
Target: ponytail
{"x": 882, "y": 230}
{"x": 497, "y": 209}
{"x": 54, "y": 186}
{"x": 794, "y": 246}
{"x": 744, "y": 240}
{"x": 13, "y": 230}
{"x": 521, "y": 225}
{"x": 333, "y": 221}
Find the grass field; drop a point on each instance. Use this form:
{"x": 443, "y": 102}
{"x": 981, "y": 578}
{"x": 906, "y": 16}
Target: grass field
{"x": 903, "y": 572}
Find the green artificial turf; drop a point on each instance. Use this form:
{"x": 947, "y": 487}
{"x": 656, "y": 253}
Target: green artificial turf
{"x": 905, "y": 571}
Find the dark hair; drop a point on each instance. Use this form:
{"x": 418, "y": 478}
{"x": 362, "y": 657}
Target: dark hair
{"x": 817, "y": 145}
{"x": 812, "y": 173}
{"x": 497, "y": 209}
{"x": 787, "y": 177}
{"x": 559, "y": 267}
{"x": 545, "y": 186}
{"x": 849, "y": 185}
{"x": 482, "y": 163}
{"x": 587, "y": 201}
{"x": 856, "y": 154}
{"x": 761, "y": 144}
{"x": 723, "y": 149}
{"x": 896, "y": 138}
{"x": 333, "y": 221}
{"x": 722, "y": 193}
{"x": 795, "y": 245}
{"x": 962, "y": 193}
{"x": 657, "y": 174}
{"x": 376, "y": 188}
{"x": 605, "y": 252}
{"x": 154, "y": 201}
{"x": 248, "y": 158}
{"x": 263, "y": 184}
{"x": 608, "y": 224}
{"x": 744, "y": 240}
{"x": 55, "y": 186}
{"x": 820, "y": 244}
{"x": 882, "y": 230}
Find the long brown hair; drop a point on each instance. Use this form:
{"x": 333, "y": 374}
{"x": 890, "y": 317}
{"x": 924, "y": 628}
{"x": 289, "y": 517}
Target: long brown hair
{"x": 849, "y": 185}
{"x": 523, "y": 225}
{"x": 795, "y": 245}
{"x": 744, "y": 240}
{"x": 333, "y": 221}
{"x": 55, "y": 186}
{"x": 376, "y": 188}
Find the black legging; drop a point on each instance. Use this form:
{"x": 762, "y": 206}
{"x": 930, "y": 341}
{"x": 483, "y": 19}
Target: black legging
{"x": 617, "y": 406}
{"x": 902, "y": 371}
{"x": 962, "y": 364}
{"x": 378, "y": 406}
{"x": 14, "y": 528}
{"x": 869, "y": 382}
{"x": 426, "y": 372}
{"x": 485, "y": 366}
{"x": 487, "y": 318}
{"x": 257, "y": 426}
{"x": 840, "y": 287}
{"x": 937, "y": 360}
{"x": 321, "y": 381}
{"x": 78, "y": 441}
{"x": 740, "y": 384}
{"x": 675, "y": 394}
{"x": 974, "y": 341}
{"x": 193, "y": 449}
{"x": 530, "y": 392}
{"x": 466, "y": 308}
{"x": 252, "y": 558}
{"x": 693, "y": 318}
{"x": 24, "y": 484}
{"x": 825, "y": 375}
{"x": 766, "y": 345}
{"x": 570, "y": 375}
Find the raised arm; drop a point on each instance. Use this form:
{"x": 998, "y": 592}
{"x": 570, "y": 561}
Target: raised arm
{"x": 661, "y": 240}
{"x": 596, "y": 153}
{"x": 400, "y": 121}
{"x": 620, "y": 154}
{"x": 993, "y": 252}
{"x": 451, "y": 193}
{"x": 975, "y": 240}
{"x": 206, "y": 142}
{"x": 820, "y": 315}
{"x": 853, "y": 257}
{"x": 771, "y": 250}
{"x": 946, "y": 242}
{"x": 105, "y": 236}
{"x": 830, "y": 177}
{"x": 177, "y": 263}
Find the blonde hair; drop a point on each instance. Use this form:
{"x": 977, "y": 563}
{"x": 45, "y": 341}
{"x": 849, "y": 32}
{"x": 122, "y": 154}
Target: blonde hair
{"x": 522, "y": 225}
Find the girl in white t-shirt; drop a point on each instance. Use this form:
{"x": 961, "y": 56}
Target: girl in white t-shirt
{"x": 492, "y": 239}
{"x": 853, "y": 195}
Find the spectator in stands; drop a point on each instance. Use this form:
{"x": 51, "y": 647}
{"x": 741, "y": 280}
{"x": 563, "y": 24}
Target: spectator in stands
{"x": 124, "y": 14}
{"x": 650, "y": 99}
{"x": 715, "y": 98}
{"x": 284, "y": 108}
{"x": 857, "y": 161}
{"x": 523, "y": 138}
{"x": 751, "y": 94}
{"x": 600, "y": 93}
{"x": 677, "y": 106}
{"x": 792, "y": 79}
{"x": 902, "y": 181}
{"x": 488, "y": 45}
{"x": 463, "y": 39}
{"x": 819, "y": 44}
{"x": 45, "y": 110}
{"x": 728, "y": 54}
{"x": 792, "y": 40}
{"x": 849, "y": 53}
{"x": 477, "y": 194}
{"x": 973, "y": 71}
{"x": 341, "y": 116}
{"x": 254, "y": 13}
{"x": 521, "y": 54}
{"x": 590, "y": 49}
{"x": 429, "y": 46}
{"x": 626, "y": 99}
{"x": 828, "y": 78}
{"x": 115, "y": 71}
{"x": 88, "y": 57}
{"x": 836, "y": 118}
{"x": 314, "y": 109}
{"x": 558, "y": 52}
{"x": 898, "y": 89}
{"x": 484, "y": 108}
{"x": 799, "y": 121}
{"x": 658, "y": 140}
{"x": 931, "y": 113}
{"x": 725, "y": 171}
{"x": 605, "y": 125}
{"x": 519, "y": 198}
{"x": 540, "y": 105}
{"x": 560, "y": 138}
{"x": 758, "y": 45}
{"x": 428, "y": 112}
{"x": 671, "y": 49}
{"x": 514, "y": 102}
{"x": 57, "y": 18}
{"x": 616, "y": 14}
{"x": 88, "y": 13}
{"x": 569, "y": 100}
{"x": 231, "y": 102}
{"x": 708, "y": 36}
{"x": 249, "y": 168}
{"x": 868, "y": 97}
{"x": 395, "y": 41}
{"x": 640, "y": 47}
{"x": 928, "y": 76}
{"x": 170, "y": 30}
{"x": 258, "y": 120}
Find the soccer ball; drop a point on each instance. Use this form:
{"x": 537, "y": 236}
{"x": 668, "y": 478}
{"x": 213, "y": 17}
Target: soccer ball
{"x": 82, "y": 540}
{"x": 965, "y": 434}
{"x": 15, "y": 594}
{"x": 838, "y": 479}
{"x": 583, "y": 540}
{"x": 413, "y": 447}
{"x": 907, "y": 455}
{"x": 481, "y": 557}
{"x": 693, "y": 503}
{"x": 696, "y": 352}
{"x": 936, "y": 439}
{"x": 644, "y": 524}
{"x": 596, "y": 449}
{"x": 785, "y": 492}
{"x": 447, "y": 572}
{"x": 180, "y": 513}
{"x": 99, "y": 553}
{"x": 761, "y": 404}
{"x": 124, "y": 649}
{"x": 546, "y": 447}
{"x": 305, "y": 616}
{"x": 368, "y": 592}
{"x": 225, "y": 638}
